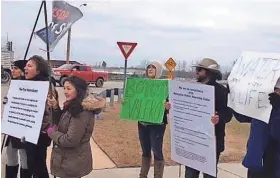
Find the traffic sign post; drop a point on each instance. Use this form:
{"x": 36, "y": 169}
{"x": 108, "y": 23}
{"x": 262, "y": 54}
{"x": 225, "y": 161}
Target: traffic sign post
{"x": 170, "y": 65}
{"x": 126, "y": 49}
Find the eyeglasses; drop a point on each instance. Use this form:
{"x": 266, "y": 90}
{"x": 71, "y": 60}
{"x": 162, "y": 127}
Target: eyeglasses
{"x": 199, "y": 69}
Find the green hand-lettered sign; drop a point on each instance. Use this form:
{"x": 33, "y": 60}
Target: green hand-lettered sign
{"x": 144, "y": 100}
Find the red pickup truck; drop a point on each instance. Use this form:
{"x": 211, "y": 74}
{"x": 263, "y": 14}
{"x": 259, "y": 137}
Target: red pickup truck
{"x": 83, "y": 71}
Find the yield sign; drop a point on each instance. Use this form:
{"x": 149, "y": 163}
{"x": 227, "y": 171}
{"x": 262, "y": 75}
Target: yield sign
{"x": 126, "y": 48}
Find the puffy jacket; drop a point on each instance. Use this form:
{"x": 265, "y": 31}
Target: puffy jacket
{"x": 71, "y": 157}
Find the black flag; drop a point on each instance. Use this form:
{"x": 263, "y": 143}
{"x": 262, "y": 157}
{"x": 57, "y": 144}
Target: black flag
{"x": 63, "y": 17}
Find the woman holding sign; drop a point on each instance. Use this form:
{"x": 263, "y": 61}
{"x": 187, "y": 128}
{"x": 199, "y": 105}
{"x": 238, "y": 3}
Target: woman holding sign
{"x": 263, "y": 148}
{"x": 151, "y": 135}
{"x": 71, "y": 155}
{"x": 37, "y": 69}
{"x": 14, "y": 145}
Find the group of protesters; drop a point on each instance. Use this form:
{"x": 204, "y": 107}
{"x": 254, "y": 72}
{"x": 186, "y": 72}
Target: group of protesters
{"x": 69, "y": 128}
{"x": 71, "y": 156}
{"x": 263, "y": 148}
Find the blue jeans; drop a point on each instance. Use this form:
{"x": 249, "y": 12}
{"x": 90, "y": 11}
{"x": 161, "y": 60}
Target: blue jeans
{"x": 151, "y": 138}
{"x": 193, "y": 173}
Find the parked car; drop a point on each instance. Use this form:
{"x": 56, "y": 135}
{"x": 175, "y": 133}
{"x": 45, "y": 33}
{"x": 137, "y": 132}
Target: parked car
{"x": 83, "y": 71}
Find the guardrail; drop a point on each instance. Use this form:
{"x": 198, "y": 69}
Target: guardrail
{"x": 112, "y": 96}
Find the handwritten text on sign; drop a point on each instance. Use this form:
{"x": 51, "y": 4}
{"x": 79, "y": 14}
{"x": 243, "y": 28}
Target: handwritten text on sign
{"x": 252, "y": 78}
{"x": 144, "y": 100}
{"x": 23, "y": 113}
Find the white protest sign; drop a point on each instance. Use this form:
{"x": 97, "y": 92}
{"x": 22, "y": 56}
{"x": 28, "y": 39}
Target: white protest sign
{"x": 193, "y": 141}
{"x": 23, "y": 113}
{"x": 252, "y": 78}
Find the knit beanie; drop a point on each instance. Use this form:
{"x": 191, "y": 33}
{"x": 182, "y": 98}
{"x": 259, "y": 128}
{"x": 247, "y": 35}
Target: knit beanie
{"x": 20, "y": 64}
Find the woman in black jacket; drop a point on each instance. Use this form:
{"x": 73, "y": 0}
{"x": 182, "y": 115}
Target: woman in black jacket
{"x": 14, "y": 145}
{"x": 37, "y": 69}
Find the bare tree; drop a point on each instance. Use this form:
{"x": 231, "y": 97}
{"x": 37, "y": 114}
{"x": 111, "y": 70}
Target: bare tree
{"x": 184, "y": 65}
{"x": 144, "y": 63}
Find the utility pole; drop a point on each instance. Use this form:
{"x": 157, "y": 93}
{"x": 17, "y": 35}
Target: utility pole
{"x": 69, "y": 42}
{"x": 68, "y": 46}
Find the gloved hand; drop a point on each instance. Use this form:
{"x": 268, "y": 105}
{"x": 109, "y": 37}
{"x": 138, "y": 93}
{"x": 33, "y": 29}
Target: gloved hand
{"x": 51, "y": 130}
{"x": 274, "y": 99}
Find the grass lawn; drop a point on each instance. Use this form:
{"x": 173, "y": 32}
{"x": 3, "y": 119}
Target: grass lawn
{"x": 119, "y": 140}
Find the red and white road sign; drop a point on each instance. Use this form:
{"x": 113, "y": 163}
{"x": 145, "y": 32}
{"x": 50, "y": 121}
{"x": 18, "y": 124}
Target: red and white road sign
{"x": 126, "y": 48}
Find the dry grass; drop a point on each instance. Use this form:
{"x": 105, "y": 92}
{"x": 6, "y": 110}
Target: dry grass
{"x": 119, "y": 140}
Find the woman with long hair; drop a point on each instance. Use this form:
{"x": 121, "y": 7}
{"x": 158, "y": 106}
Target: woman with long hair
{"x": 71, "y": 156}
{"x": 37, "y": 69}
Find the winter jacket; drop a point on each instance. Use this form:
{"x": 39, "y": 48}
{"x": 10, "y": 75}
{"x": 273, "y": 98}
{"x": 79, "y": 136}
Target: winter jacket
{"x": 71, "y": 156}
{"x": 261, "y": 134}
{"x": 224, "y": 112}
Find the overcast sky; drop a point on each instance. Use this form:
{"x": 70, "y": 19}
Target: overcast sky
{"x": 185, "y": 30}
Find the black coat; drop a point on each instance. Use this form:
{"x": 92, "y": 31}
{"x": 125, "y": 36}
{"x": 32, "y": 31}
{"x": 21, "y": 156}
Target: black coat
{"x": 16, "y": 143}
{"x": 224, "y": 112}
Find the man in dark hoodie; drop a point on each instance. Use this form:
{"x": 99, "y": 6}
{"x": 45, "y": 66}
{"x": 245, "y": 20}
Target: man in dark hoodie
{"x": 14, "y": 145}
{"x": 208, "y": 71}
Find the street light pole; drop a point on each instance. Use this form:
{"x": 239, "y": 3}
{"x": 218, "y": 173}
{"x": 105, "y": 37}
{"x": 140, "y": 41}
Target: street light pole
{"x": 69, "y": 42}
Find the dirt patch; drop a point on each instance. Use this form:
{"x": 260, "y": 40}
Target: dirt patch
{"x": 235, "y": 142}
{"x": 119, "y": 140}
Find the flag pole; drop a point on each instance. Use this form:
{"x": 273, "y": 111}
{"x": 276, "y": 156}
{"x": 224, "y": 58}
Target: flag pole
{"x": 48, "y": 58}
{"x": 33, "y": 30}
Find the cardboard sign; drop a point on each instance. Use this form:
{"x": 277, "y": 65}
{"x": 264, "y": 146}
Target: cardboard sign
{"x": 23, "y": 113}
{"x": 252, "y": 78}
{"x": 144, "y": 100}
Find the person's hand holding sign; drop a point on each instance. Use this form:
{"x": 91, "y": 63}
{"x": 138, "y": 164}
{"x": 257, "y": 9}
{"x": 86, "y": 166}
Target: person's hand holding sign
{"x": 215, "y": 119}
{"x": 167, "y": 105}
{"x": 52, "y": 103}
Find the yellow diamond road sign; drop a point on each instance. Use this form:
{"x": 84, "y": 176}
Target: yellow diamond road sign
{"x": 170, "y": 64}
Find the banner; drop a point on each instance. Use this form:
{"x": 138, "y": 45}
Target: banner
{"x": 63, "y": 17}
{"x": 144, "y": 100}
{"x": 193, "y": 141}
{"x": 23, "y": 113}
{"x": 252, "y": 78}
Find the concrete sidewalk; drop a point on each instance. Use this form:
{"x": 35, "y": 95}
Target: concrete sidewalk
{"x": 100, "y": 159}
{"x": 105, "y": 168}
{"x": 225, "y": 171}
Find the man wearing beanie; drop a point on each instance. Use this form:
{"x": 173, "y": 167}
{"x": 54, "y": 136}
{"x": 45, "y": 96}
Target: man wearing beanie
{"x": 14, "y": 145}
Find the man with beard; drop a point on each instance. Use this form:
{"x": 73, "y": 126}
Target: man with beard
{"x": 208, "y": 72}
